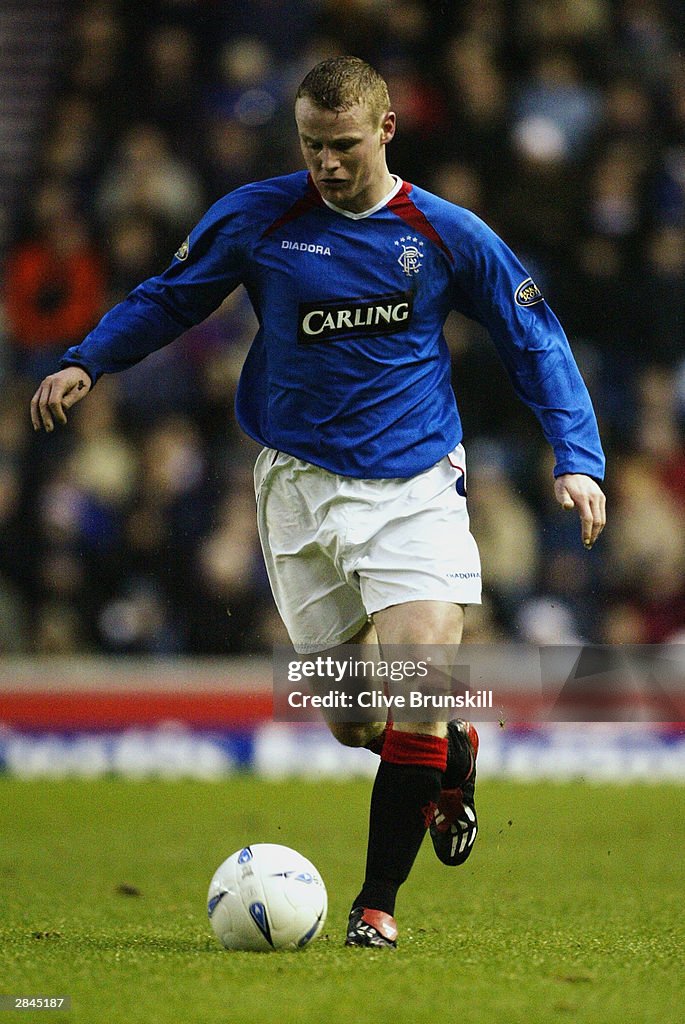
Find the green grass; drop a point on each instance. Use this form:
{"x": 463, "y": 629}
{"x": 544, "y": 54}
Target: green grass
{"x": 570, "y": 909}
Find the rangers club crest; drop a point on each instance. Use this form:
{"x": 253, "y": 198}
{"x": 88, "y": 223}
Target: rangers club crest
{"x": 412, "y": 254}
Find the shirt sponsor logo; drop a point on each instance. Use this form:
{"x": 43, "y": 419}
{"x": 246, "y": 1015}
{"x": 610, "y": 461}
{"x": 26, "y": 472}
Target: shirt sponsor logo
{"x": 528, "y": 293}
{"x": 327, "y": 321}
{"x": 318, "y": 250}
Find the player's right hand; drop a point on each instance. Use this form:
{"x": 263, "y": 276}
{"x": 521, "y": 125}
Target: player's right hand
{"x": 56, "y": 394}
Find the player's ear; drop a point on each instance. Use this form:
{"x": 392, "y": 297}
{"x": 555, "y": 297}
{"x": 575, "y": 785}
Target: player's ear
{"x": 388, "y": 125}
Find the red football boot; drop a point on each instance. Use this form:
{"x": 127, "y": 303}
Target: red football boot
{"x": 371, "y": 928}
{"x": 455, "y": 824}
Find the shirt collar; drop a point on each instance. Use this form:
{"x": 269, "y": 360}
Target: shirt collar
{"x": 374, "y": 209}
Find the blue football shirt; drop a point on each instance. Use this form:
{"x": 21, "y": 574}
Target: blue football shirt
{"x": 349, "y": 369}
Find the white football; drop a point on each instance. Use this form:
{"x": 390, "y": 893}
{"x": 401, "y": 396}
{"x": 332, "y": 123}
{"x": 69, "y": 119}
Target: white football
{"x": 266, "y": 897}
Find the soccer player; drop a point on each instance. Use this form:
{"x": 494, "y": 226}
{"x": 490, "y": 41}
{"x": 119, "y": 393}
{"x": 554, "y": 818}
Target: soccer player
{"x": 360, "y": 485}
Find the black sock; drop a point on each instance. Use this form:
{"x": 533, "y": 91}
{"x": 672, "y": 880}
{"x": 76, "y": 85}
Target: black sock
{"x": 459, "y": 759}
{"x": 402, "y": 804}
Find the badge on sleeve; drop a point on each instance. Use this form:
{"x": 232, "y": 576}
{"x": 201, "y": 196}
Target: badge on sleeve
{"x": 528, "y": 293}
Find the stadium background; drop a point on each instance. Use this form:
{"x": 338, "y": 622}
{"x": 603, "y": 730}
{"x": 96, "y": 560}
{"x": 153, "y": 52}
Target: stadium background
{"x": 560, "y": 122}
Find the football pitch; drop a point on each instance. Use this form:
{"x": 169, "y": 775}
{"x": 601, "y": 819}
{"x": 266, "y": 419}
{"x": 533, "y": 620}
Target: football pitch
{"x": 570, "y": 908}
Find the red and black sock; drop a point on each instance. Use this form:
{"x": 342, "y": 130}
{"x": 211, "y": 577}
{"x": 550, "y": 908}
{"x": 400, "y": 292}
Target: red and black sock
{"x": 405, "y": 793}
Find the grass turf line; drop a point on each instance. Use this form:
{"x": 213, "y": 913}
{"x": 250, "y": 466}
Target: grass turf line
{"x": 570, "y": 908}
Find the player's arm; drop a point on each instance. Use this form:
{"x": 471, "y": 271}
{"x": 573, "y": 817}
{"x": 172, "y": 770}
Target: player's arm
{"x": 204, "y": 271}
{"x": 497, "y": 291}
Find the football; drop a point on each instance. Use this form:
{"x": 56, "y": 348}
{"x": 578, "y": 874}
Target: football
{"x": 266, "y": 897}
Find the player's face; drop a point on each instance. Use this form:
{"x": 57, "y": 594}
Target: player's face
{"x": 345, "y": 153}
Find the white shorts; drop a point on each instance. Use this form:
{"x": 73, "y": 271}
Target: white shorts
{"x": 338, "y": 549}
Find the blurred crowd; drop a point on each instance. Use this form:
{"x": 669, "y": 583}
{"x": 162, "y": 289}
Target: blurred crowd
{"x": 560, "y": 122}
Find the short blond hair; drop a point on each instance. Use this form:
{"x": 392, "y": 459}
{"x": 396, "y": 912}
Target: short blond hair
{"x": 341, "y": 82}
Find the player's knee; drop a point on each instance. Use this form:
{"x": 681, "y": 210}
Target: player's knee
{"x": 355, "y": 734}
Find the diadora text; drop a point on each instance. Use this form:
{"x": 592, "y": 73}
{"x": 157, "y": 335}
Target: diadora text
{"x": 318, "y": 250}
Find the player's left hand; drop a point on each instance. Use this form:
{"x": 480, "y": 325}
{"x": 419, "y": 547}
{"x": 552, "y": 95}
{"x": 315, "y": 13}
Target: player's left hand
{"x": 575, "y": 490}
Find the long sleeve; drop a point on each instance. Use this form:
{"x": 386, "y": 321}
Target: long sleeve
{"x": 207, "y": 267}
{"x": 495, "y": 289}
